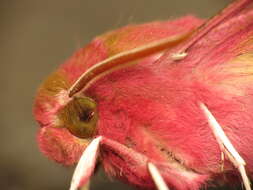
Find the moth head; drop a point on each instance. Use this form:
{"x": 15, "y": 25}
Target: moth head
{"x": 67, "y": 124}
{"x": 68, "y": 118}
{"x": 54, "y": 108}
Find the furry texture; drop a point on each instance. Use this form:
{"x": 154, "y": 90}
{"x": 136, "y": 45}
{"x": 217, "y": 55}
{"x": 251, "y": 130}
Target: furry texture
{"x": 152, "y": 108}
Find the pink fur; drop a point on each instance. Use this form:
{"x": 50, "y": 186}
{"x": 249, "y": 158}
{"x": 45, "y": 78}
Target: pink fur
{"x": 158, "y": 103}
{"x": 60, "y": 145}
{"x": 152, "y": 109}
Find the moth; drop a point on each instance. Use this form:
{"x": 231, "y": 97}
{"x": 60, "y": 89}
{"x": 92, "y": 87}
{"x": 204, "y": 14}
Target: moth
{"x": 166, "y": 105}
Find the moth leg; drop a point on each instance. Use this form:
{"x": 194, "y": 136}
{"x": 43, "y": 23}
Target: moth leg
{"x": 86, "y": 166}
{"x": 136, "y": 159}
{"x": 227, "y": 146}
{"x": 157, "y": 177}
{"x": 87, "y": 162}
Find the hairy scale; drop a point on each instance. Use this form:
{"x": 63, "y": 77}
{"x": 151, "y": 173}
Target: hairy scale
{"x": 152, "y": 108}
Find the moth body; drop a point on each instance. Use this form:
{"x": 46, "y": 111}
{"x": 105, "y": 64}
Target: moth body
{"x": 149, "y": 110}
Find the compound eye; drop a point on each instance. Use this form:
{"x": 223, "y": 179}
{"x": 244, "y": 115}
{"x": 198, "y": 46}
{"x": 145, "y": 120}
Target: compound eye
{"x": 80, "y": 117}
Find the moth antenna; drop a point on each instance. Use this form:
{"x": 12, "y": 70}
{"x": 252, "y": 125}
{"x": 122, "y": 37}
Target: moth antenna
{"x": 157, "y": 177}
{"x": 85, "y": 166}
{"x": 229, "y": 11}
{"x": 121, "y": 59}
{"x": 226, "y": 146}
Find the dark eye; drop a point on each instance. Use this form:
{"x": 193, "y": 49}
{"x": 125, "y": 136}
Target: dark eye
{"x": 80, "y": 117}
{"x": 86, "y": 115}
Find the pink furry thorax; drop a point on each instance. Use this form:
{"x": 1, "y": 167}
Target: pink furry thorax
{"x": 152, "y": 107}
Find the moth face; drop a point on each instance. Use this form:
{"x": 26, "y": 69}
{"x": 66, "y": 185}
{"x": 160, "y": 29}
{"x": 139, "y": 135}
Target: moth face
{"x": 54, "y": 108}
{"x": 66, "y": 124}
